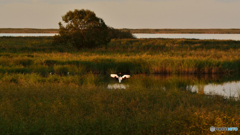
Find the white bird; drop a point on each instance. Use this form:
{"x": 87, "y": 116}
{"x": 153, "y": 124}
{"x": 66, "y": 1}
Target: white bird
{"x": 120, "y": 78}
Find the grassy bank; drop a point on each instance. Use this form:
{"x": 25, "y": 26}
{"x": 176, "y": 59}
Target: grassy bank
{"x": 164, "y": 56}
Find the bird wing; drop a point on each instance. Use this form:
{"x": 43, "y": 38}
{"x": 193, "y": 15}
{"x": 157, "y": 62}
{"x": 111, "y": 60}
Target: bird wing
{"x": 114, "y": 75}
{"x": 125, "y": 76}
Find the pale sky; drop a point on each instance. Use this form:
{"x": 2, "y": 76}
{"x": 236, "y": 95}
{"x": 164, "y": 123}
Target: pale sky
{"x": 124, "y": 13}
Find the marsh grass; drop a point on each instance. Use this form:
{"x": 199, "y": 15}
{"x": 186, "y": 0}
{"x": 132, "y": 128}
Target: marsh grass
{"x": 165, "y": 56}
{"x": 74, "y": 98}
{"x": 84, "y": 107}
{"x": 116, "y": 63}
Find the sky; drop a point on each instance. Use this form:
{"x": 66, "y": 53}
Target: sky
{"x": 124, "y": 13}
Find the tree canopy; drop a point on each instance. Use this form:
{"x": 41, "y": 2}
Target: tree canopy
{"x": 84, "y": 29}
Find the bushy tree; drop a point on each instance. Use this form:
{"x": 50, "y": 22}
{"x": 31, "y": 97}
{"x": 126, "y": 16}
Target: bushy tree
{"x": 119, "y": 34}
{"x": 83, "y": 29}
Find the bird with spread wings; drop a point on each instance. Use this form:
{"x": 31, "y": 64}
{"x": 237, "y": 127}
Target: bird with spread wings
{"x": 120, "y": 78}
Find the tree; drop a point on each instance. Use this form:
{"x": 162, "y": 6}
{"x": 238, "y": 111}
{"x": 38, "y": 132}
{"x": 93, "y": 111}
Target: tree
{"x": 83, "y": 29}
{"x": 119, "y": 34}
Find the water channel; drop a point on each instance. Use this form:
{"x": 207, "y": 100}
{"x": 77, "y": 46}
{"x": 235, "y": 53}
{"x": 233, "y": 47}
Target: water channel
{"x": 226, "y": 86}
{"x": 146, "y": 35}
{"x": 192, "y": 36}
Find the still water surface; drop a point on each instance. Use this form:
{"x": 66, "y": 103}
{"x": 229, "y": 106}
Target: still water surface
{"x": 229, "y": 87}
{"x": 192, "y": 36}
{"x": 26, "y": 34}
{"x": 172, "y": 36}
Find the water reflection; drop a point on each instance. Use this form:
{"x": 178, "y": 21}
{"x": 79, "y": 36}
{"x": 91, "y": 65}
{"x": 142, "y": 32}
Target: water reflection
{"x": 117, "y": 86}
{"x": 27, "y": 34}
{"x": 227, "y": 89}
{"x": 227, "y": 86}
{"x": 146, "y": 35}
{"x": 191, "y": 36}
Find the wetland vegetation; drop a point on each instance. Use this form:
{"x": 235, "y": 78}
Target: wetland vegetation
{"x": 165, "y": 56}
{"x": 74, "y": 99}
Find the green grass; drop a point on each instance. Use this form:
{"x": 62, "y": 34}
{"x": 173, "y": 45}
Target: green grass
{"x": 75, "y": 98}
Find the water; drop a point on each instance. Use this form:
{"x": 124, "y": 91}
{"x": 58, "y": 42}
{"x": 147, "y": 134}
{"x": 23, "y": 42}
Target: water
{"x": 26, "y": 34}
{"x": 192, "y": 36}
{"x": 172, "y": 36}
{"x": 228, "y": 87}
{"x": 117, "y": 86}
